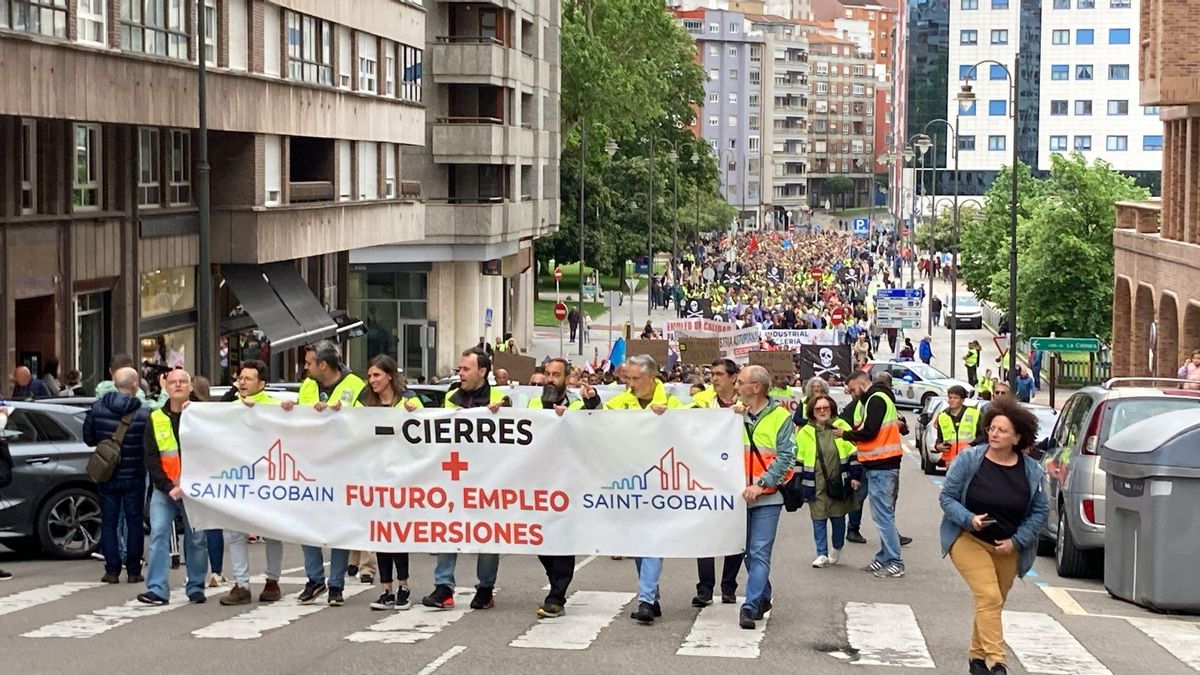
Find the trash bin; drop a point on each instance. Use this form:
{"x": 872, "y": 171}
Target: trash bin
{"x": 1152, "y": 511}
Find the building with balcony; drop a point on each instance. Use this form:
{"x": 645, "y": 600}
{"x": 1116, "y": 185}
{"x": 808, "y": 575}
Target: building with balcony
{"x": 310, "y": 107}
{"x": 488, "y": 169}
{"x": 785, "y": 140}
{"x": 841, "y": 118}
{"x": 1156, "y": 299}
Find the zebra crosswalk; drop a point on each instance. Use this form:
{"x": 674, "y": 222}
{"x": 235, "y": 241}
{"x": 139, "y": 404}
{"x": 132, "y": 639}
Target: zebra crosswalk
{"x": 1041, "y": 642}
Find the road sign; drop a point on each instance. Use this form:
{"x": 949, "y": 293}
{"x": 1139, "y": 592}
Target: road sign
{"x": 612, "y": 298}
{"x": 862, "y": 227}
{"x": 487, "y": 318}
{"x": 837, "y": 315}
{"x": 899, "y": 308}
{"x": 816, "y": 273}
{"x": 558, "y": 274}
{"x": 631, "y": 284}
{"x": 560, "y": 311}
{"x": 1064, "y": 344}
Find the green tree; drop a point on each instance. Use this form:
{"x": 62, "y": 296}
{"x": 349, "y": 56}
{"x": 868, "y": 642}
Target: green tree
{"x": 839, "y": 186}
{"x": 983, "y": 241}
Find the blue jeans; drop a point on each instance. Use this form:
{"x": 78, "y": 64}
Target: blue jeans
{"x": 215, "y": 539}
{"x": 487, "y": 566}
{"x": 314, "y": 565}
{"x": 860, "y": 498}
{"x": 820, "y": 534}
{"x": 163, "y": 511}
{"x": 120, "y": 508}
{"x": 761, "y": 523}
{"x": 883, "y": 486}
{"x": 648, "y": 570}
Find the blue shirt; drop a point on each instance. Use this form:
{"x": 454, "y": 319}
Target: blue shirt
{"x": 1024, "y": 387}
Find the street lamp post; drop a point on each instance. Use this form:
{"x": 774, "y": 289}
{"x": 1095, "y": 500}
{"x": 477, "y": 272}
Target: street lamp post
{"x": 922, "y": 142}
{"x": 582, "y": 211}
{"x": 953, "y": 128}
{"x": 908, "y": 158}
{"x": 204, "y": 299}
{"x": 650, "y": 236}
{"x": 966, "y": 95}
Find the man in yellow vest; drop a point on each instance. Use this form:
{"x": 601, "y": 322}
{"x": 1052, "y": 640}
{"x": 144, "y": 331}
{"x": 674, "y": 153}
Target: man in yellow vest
{"x": 770, "y": 454}
{"x": 957, "y": 425}
{"x": 473, "y": 391}
{"x": 252, "y": 390}
{"x": 166, "y": 502}
{"x": 560, "y": 569}
{"x": 971, "y": 361}
{"x": 645, "y": 392}
{"x": 329, "y": 385}
{"x": 723, "y": 394}
{"x": 876, "y": 434}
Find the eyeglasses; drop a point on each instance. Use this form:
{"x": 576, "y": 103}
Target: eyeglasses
{"x": 822, "y": 408}
{"x": 997, "y": 430}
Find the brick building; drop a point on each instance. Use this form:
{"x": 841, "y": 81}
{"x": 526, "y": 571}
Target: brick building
{"x": 1156, "y": 299}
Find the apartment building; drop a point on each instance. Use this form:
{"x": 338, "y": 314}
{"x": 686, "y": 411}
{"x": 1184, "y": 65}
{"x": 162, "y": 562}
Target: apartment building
{"x": 310, "y": 107}
{"x": 488, "y": 165}
{"x": 841, "y": 118}
{"x": 731, "y": 51}
{"x": 785, "y": 140}
{"x": 1156, "y": 299}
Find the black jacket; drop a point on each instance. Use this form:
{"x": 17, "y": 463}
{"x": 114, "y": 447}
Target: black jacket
{"x": 102, "y": 422}
{"x": 872, "y": 422}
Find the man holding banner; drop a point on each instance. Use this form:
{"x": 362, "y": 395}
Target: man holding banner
{"x": 645, "y": 392}
{"x": 723, "y": 394}
{"x": 560, "y": 569}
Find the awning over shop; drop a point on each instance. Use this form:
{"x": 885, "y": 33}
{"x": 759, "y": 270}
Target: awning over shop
{"x": 280, "y": 303}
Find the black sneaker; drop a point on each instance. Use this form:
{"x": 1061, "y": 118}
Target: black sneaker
{"x": 763, "y": 608}
{"x": 550, "y": 610}
{"x": 151, "y": 598}
{"x": 978, "y": 667}
{"x": 385, "y": 601}
{"x": 442, "y": 597}
{"x": 197, "y": 598}
{"x": 656, "y": 608}
{"x": 5, "y": 575}
{"x": 702, "y": 600}
{"x": 728, "y": 598}
{"x": 403, "y": 598}
{"x": 311, "y": 592}
{"x": 644, "y": 614}
{"x": 746, "y": 619}
{"x": 483, "y": 598}
{"x": 352, "y": 570}
{"x": 905, "y": 541}
{"x": 367, "y": 579}
{"x": 855, "y": 537}
{"x": 335, "y": 597}
{"x": 999, "y": 669}
{"x": 110, "y": 579}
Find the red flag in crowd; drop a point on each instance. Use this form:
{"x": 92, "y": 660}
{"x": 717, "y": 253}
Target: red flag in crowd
{"x": 753, "y": 245}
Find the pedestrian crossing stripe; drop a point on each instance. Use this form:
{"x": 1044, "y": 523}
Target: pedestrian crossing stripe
{"x": 1043, "y": 645}
{"x": 1181, "y": 640}
{"x": 587, "y": 613}
{"x": 416, "y": 624}
{"x": 269, "y": 616}
{"x": 901, "y": 644}
{"x": 107, "y": 618}
{"x": 716, "y": 632}
{"x": 38, "y": 596}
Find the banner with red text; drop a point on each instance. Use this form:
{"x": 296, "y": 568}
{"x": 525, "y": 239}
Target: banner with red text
{"x": 602, "y": 482}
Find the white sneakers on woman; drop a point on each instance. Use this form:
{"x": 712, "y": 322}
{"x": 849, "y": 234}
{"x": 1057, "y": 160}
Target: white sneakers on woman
{"x": 835, "y": 555}
{"x": 820, "y": 561}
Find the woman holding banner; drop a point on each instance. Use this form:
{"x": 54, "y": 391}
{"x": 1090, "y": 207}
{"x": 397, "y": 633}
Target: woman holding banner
{"x": 386, "y": 388}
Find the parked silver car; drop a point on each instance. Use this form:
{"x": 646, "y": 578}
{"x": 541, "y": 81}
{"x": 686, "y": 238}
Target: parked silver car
{"x": 926, "y": 438}
{"x": 965, "y": 312}
{"x": 1075, "y": 483}
{"x": 52, "y": 505}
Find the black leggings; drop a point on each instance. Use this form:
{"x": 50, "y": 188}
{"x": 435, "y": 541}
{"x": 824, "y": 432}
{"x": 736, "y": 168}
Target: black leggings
{"x": 387, "y": 560}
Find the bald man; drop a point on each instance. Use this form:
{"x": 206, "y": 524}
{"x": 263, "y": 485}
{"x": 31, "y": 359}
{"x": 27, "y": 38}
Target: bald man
{"x": 25, "y": 388}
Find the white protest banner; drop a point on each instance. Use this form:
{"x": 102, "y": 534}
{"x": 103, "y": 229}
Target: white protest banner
{"x": 695, "y": 328}
{"x": 517, "y": 481}
{"x": 793, "y": 338}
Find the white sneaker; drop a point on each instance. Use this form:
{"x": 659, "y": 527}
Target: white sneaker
{"x": 216, "y": 580}
{"x": 820, "y": 561}
{"x": 835, "y": 556}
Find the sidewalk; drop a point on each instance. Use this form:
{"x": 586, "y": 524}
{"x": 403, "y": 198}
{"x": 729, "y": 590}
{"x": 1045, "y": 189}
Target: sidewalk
{"x": 546, "y": 339}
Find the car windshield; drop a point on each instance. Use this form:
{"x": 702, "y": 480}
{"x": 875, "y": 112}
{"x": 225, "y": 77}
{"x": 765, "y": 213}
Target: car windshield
{"x": 926, "y": 372}
{"x": 1128, "y": 411}
{"x": 966, "y": 301}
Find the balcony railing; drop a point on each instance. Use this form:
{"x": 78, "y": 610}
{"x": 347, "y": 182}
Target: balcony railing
{"x": 1144, "y": 217}
{"x": 469, "y": 40}
{"x": 470, "y": 120}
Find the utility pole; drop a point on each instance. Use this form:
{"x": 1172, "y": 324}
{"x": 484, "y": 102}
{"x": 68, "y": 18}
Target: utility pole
{"x": 204, "y": 300}
{"x": 582, "y": 211}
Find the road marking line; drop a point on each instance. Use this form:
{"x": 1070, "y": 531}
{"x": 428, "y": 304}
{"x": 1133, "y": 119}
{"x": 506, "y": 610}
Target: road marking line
{"x": 417, "y": 624}
{"x": 716, "y": 632}
{"x": 36, "y": 596}
{"x": 587, "y": 613}
{"x": 578, "y": 566}
{"x": 1043, "y": 645}
{"x": 441, "y": 660}
{"x": 900, "y": 644}
{"x": 251, "y": 625}
{"x": 1181, "y": 639}
{"x": 107, "y": 618}
{"x": 1062, "y": 598}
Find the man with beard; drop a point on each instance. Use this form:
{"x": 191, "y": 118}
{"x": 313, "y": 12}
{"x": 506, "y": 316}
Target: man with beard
{"x": 560, "y": 569}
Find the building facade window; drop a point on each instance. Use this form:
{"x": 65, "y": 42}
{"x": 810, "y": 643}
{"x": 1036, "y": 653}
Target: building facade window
{"x": 966, "y": 143}
{"x": 1084, "y": 36}
{"x": 1060, "y": 72}
{"x": 389, "y": 171}
{"x": 1118, "y": 107}
{"x": 28, "y": 166}
{"x": 1085, "y": 4}
{"x": 999, "y": 4}
{"x": 968, "y": 37}
{"x": 733, "y": 73}
{"x": 155, "y": 27}
{"x": 1149, "y": 110}
{"x": 714, "y": 97}
{"x": 731, "y": 120}
{"x": 1083, "y": 72}
{"x": 733, "y": 97}
{"x": 168, "y": 291}
{"x": 1120, "y": 4}
{"x": 180, "y": 188}
{"x": 1060, "y": 37}
{"x": 1083, "y": 143}
{"x": 1058, "y": 107}
{"x": 87, "y": 180}
{"x": 967, "y": 109}
{"x": 1118, "y": 36}
{"x": 1152, "y": 142}
{"x": 997, "y": 107}
{"x": 149, "y": 168}
{"x": 714, "y": 121}
{"x": 1117, "y": 143}
{"x": 211, "y": 26}
{"x": 389, "y": 69}
{"x": 42, "y": 17}
{"x": 713, "y": 74}
{"x": 996, "y": 142}
{"x": 1118, "y": 71}
{"x": 309, "y": 49}
{"x": 997, "y": 72}
{"x": 368, "y": 63}
{"x": 1083, "y": 107}
{"x": 92, "y": 20}
{"x": 1062, "y": 4}
{"x": 1058, "y": 143}
{"x": 411, "y": 87}
{"x": 1000, "y": 36}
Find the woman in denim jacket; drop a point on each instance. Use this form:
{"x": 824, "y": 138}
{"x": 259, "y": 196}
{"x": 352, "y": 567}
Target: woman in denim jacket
{"x": 993, "y": 509}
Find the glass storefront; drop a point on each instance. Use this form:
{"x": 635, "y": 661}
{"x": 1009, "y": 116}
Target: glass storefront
{"x": 168, "y": 291}
{"x": 91, "y": 338}
{"x": 172, "y": 349}
{"x": 167, "y": 325}
{"x": 392, "y": 302}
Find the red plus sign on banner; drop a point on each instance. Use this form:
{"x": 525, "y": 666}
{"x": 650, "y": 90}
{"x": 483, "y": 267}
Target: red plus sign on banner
{"x": 455, "y": 466}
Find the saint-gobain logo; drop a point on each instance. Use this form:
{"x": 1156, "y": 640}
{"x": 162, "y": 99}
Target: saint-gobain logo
{"x": 277, "y": 464}
{"x": 668, "y": 475}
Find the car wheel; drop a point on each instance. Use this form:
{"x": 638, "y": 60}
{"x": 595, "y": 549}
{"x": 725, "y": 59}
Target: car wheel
{"x": 1069, "y": 560}
{"x": 68, "y": 524}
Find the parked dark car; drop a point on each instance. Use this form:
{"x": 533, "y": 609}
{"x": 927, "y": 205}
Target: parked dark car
{"x": 52, "y": 504}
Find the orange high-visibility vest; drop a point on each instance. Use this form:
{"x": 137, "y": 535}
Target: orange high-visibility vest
{"x": 886, "y": 443}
